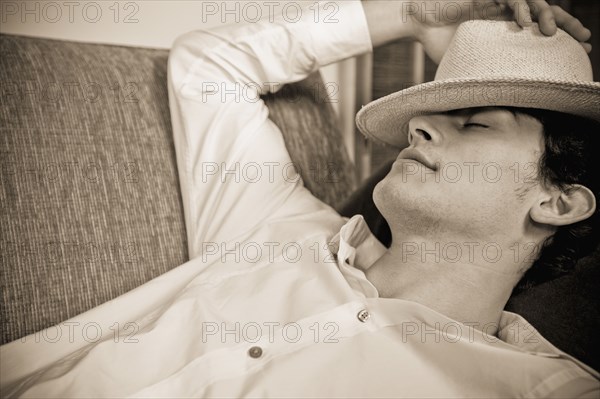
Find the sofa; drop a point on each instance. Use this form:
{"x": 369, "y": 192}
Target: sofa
{"x": 91, "y": 206}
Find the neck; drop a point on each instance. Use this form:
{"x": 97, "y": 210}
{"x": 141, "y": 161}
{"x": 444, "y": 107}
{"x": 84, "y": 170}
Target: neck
{"x": 469, "y": 283}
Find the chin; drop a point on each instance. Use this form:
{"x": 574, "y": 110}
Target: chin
{"x": 378, "y": 198}
{"x": 419, "y": 208}
{"x": 397, "y": 203}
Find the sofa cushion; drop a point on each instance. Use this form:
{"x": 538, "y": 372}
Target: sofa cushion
{"x": 91, "y": 204}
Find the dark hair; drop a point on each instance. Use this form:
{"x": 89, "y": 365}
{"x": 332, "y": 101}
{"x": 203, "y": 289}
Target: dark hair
{"x": 570, "y": 157}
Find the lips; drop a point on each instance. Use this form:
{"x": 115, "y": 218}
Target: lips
{"x": 415, "y": 155}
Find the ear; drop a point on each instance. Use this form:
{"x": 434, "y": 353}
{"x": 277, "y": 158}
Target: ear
{"x": 562, "y": 208}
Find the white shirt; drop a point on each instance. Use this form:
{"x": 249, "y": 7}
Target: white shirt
{"x": 275, "y": 302}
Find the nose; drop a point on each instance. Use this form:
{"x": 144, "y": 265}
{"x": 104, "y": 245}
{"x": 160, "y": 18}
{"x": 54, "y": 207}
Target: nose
{"x": 421, "y": 129}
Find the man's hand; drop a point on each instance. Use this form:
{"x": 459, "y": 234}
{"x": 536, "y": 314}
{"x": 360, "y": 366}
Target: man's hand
{"x": 434, "y": 22}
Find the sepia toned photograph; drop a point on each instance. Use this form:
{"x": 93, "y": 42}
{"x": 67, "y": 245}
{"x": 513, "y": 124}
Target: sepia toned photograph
{"x": 299, "y": 199}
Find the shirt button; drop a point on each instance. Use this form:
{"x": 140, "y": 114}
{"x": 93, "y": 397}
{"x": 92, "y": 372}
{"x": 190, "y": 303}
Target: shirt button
{"x": 255, "y": 352}
{"x": 363, "y": 315}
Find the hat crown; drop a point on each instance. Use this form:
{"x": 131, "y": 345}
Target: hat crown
{"x": 500, "y": 49}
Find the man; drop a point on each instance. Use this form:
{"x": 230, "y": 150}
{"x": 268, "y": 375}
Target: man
{"x": 265, "y": 309}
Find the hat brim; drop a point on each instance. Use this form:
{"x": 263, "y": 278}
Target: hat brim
{"x": 386, "y": 120}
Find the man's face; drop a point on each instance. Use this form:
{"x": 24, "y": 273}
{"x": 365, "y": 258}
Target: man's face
{"x": 467, "y": 173}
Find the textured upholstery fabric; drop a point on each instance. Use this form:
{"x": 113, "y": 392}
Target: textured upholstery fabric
{"x": 91, "y": 205}
{"x": 566, "y": 311}
{"x": 90, "y": 197}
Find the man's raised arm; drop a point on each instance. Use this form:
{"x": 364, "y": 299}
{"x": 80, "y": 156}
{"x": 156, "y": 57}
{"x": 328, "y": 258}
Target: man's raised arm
{"x": 220, "y": 123}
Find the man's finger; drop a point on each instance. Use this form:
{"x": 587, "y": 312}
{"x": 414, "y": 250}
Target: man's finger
{"x": 521, "y": 11}
{"x": 542, "y": 12}
{"x": 571, "y": 25}
{"x": 587, "y": 47}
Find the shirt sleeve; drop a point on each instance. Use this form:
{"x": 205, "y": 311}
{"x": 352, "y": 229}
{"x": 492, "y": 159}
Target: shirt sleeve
{"x": 235, "y": 172}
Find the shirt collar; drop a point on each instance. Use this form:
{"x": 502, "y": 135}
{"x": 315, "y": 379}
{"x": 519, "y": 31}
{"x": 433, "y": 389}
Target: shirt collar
{"x": 357, "y": 249}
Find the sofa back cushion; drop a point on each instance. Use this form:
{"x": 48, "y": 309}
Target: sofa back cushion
{"x": 91, "y": 203}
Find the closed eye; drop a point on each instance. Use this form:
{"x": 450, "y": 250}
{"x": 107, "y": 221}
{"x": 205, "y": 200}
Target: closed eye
{"x": 479, "y": 125}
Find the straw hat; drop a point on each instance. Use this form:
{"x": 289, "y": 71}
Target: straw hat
{"x": 492, "y": 63}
